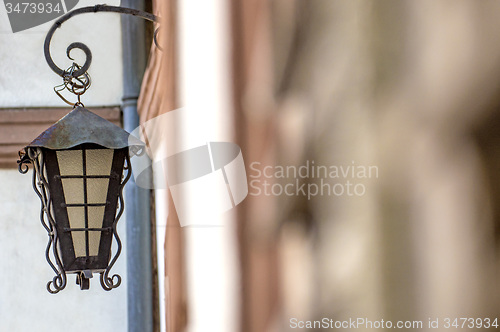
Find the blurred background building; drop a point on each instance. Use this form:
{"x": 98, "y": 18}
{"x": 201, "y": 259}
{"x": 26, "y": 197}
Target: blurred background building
{"x": 406, "y": 89}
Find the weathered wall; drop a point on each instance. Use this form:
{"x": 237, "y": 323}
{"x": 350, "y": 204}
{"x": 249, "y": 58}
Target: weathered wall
{"x": 25, "y": 304}
{"x": 27, "y": 81}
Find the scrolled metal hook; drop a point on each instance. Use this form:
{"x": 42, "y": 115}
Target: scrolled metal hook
{"x": 23, "y": 162}
{"x": 108, "y": 283}
{"x": 76, "y": 85}
{"x": 57, "y": 284}
{"x": 81, "y": 46}
{"x": 88, "y": 56}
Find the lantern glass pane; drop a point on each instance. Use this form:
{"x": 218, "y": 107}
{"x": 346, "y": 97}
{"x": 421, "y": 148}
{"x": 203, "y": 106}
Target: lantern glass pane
{"x": 97, "y": 191}
{"x": 73, "y": 191}
{"x": 85, "y": 177}
{"x": 79, "y": 244}
{"x": 70, "y": 162}
{"x": 76, "y": 217}
{"x": 99, "y": 161}
{"x": 94, "y": 241}
{"x": 96, "y": 217}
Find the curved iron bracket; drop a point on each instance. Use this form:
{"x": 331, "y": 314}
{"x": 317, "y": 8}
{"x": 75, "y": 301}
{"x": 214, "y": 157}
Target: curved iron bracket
{"x": 81, "y": 46}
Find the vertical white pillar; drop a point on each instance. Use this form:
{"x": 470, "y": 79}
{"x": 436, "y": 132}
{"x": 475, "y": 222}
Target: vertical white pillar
{"x": 204, "y": 89}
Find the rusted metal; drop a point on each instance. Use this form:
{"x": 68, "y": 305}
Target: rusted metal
{"x": 81, "y": 46}
{"x": 81, "y": 126}
{"x": 53, "y": 215}
{"x": 79, "y": 129}
{"x": 41, "y": 187}
{"x": 108, "y": 283}
{"x": 76, "y": 85}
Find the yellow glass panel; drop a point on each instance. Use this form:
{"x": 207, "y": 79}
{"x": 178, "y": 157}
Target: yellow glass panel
{"x": 97, "y": 191}
{"x": 99, "y": 161}
{"x": 70, "y": 162}
{"x": 76, "y": 217}
{"x": 79, "y": 243}
{"x": 96, "y": 216}
{"x": 94, "y": 241}
{"x": 73, "y": 191}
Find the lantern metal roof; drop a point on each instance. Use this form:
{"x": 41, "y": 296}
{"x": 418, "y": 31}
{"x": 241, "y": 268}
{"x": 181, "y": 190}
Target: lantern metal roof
{"x": 81, "y": 126}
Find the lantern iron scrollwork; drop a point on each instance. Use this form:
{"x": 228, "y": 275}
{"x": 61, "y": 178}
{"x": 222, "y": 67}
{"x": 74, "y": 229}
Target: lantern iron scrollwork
{"x": 78, "y": 174}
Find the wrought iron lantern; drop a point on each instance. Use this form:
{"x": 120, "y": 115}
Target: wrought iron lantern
{"x": 79, "y": 165}
{"x": 78, "y": 173}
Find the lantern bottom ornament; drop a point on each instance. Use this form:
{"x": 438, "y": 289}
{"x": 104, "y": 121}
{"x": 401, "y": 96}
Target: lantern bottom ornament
{"x": 80, "y": 167}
